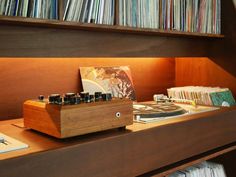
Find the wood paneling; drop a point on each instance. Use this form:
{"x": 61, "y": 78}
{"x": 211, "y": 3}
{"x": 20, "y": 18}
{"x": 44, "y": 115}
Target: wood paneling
{"x": 139, "y": 149}
{"x": 23, "y": 79}
{"x": 222, "y": 52}
{"x": 26, "y": 41}
{"x": 203, "y": 72}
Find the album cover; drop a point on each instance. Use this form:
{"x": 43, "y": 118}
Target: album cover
{"x": 114, "y": 80}
{"x": 224, "y": 98}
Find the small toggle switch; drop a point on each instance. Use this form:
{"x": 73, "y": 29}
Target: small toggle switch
{"x": 2, "y": 140}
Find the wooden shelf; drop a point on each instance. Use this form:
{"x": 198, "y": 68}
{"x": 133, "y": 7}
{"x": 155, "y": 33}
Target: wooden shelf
{"x": 98, "y": 27}
{"x": 147, "y": 146}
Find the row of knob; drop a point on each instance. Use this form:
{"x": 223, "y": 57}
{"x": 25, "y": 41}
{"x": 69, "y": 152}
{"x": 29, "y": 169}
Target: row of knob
{"x": 73, "y": 98}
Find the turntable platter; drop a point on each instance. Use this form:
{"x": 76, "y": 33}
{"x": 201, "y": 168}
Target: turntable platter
{"x": 155, "y": 110}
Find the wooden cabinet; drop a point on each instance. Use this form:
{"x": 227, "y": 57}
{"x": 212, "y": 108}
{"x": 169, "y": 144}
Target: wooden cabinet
{"x": 143, "y": 149}
{"x": 27, "y": 37}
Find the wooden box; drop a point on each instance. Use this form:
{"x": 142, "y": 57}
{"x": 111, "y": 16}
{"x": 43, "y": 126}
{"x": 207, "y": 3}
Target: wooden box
{"x": 63, "y": 121}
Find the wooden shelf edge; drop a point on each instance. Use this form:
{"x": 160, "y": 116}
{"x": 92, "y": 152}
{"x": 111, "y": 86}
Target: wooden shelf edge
{"x": 194, "y": 160}
{"x": 98, "y": 27}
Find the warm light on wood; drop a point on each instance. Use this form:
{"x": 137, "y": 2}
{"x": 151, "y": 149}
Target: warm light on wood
{"x": 26, "y": 78}
{"x": 203, "y": 72}
{"x": 72, "y": 120}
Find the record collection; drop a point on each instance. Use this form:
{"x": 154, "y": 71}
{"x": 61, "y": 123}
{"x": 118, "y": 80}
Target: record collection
{"x": 201, "y": 16}
{"x": 212, "y": 96}
{"x": 46, "y": 9}
{"x": 90, "y": 11}
{"x": 204, "y": 169}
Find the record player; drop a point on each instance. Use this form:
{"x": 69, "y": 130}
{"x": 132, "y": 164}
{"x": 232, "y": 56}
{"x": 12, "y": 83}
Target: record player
{"x": 164, "y": 108}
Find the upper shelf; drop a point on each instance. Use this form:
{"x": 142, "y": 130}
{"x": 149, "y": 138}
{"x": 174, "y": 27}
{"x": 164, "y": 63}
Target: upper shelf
{"x": 96, "y": 27}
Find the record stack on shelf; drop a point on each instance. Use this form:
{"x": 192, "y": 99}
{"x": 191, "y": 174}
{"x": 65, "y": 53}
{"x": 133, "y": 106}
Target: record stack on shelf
{"x": 46, "y": 9}
{"x": 213, "y": 96}
{"x": 90, "y": 11}
{"x": 204, "y": 169}
{"x": 203, "y": 16}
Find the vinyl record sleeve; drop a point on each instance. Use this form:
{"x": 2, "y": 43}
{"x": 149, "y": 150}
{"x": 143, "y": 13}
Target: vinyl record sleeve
{"x": 114, "y": 80}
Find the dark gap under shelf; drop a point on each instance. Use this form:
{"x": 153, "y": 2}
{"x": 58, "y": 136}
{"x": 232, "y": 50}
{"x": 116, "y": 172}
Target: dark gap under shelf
{"x": 191, "y": 161}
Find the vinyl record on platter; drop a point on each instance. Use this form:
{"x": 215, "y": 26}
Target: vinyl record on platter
{"x": 155, "y": 110}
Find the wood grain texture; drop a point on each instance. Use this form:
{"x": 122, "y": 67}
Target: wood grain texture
{"x": 42, "y": 118}
{"x": 139, "y": 149}
{"x": 203, "y": 72}
{"x": 73, "y": 120}
{"x": 20, "y": 41}
{"x": 223, "y": 52}
{"x": 28, "y": 41}
{"x": 24, "y": 41}
{"x": 23, "y": 79}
